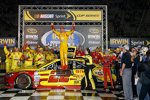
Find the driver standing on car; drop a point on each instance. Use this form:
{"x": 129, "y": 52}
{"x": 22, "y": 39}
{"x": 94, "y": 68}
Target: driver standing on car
{"x": 63, "y": 37}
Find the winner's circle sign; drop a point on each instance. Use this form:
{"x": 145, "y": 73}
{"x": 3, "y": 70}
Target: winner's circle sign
{"x": 50, "y": 39}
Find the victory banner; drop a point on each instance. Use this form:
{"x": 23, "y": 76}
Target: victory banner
{"x": 86, "y": 36}
{"x": 90, "y": 31}
{"x": 68, "y": 15}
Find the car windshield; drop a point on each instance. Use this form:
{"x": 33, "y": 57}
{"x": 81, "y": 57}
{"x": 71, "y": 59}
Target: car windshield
{"x": 72, "y": 64}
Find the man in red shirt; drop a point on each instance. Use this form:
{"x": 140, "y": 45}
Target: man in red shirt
{"x": 107, "y": 61}
{"x": 79, "y": 52}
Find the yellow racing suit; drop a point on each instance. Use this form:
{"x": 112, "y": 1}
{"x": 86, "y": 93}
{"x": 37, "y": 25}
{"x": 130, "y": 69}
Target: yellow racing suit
{"x": 39, "y": 59}
{"x": 16, "y": 59}
{"x": 28, "y": 59}
{"x": 49, "y": 56}
{"x": 63, "y": 37}
{"x": 8, "y": 59}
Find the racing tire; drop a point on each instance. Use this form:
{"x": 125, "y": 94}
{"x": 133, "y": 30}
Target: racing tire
{"x": 23, "y": 81}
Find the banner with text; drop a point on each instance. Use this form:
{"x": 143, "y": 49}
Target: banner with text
{"x": 68, "y": 15}
{"x": 11, "y": 42}
{"x": 116, "y": 42}
{"x": 87, "y": 36}
{"x": 140, "y": 42}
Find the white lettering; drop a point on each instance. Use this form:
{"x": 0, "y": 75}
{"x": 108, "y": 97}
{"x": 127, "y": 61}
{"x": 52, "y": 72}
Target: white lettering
{"x": 32, "y": 42}
{"x": 94, "y": 42}
{"x": 47, "y": 16}
{"x": 93, "y": 36}
{"x": 34, "y": 37}
{"x": 60, "y": 16}
{"x": 134, "y": 43}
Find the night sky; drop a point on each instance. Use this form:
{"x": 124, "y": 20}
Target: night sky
{"x": 126, "y": 18}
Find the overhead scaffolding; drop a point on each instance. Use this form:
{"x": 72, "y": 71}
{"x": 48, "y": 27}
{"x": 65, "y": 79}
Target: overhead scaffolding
{"x": 99, "y": 22}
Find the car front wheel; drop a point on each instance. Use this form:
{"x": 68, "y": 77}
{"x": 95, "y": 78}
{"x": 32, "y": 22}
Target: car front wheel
{"x": 23, "y": 81}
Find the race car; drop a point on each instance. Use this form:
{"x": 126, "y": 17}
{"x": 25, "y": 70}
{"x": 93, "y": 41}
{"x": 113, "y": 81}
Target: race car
{"x": 97, "y": 71}
{"x": 80, "y": 71}
{"x": 51, "y": 76}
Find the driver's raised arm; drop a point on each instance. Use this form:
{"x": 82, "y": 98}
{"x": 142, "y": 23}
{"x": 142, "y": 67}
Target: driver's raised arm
{"x": 54, "y": 30}
{"x": 72, "y": 30}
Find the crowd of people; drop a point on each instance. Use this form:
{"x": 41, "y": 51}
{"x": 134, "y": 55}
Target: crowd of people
{"x": 27, "y": 57}
{"x": 132, "y": 68}
{"x": 128, "y": 64}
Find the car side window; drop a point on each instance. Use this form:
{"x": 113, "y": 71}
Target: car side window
{"x": 79, "y": 65}
{"x": 70, "y": 64}
{"x": 50, "y": 67}
{"x": 57, "y": 65}
{"x": 54, "y": 66}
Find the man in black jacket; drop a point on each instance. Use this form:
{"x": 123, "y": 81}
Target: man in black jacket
{"x": 126, "y": 73}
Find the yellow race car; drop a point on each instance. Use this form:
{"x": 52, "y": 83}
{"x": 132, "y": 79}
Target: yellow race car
{"x": 97, "y": 71}
{"x": 51, "y": 76}
{"x": 80, "y": 71}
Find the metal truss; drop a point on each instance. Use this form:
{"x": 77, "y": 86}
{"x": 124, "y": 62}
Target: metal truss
{"x": 21, "y": 22}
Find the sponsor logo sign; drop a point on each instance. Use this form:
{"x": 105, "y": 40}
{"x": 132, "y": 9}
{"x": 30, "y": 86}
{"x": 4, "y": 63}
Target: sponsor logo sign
{"x": 33, "y": 37}
{"x": 140, "y": 42}
{"x": 68, "y": 15}
{"x": 32, "y": 42}
{"x": 50, "y": 38}
{"x": 96, "y": 37}
{"x": 11, "y": 42}
{"x": 94, "y": 30}
{"x": 45, "y": 36}
{"x": 32, "y": 30}
{"x": 116, "y": 42}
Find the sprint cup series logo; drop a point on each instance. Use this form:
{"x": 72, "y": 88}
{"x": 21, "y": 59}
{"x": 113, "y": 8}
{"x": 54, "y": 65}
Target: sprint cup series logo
{"x": 50, "y": 39}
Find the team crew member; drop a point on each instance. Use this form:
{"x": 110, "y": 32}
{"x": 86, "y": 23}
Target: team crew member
{"x": 96, "y": 56}
{"x": 8, "y": 58}
{"x": 28, "y": 57}
{"x": 80, "y": 52}
{"x": 63, "y": 37}
{"x": 16, "y": 58}
{"x": 107, "y": 61}
{"x": 49, "y": 55}
{"x": 39, "y": 57}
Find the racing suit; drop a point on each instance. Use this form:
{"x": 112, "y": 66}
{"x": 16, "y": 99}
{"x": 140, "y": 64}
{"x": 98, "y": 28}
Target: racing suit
{"x": 16, "y": 59}
{"x": 96, "y": 56}
{"x": 63, "y": 37}
{"x": 107, "y": 61}
{"x": 39, "y": 59}
{"x": 8, "y": 58}
{"x": 28, "y": 59}
{"x": 49, "y": 56}
{"x": 80, "y": 53}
